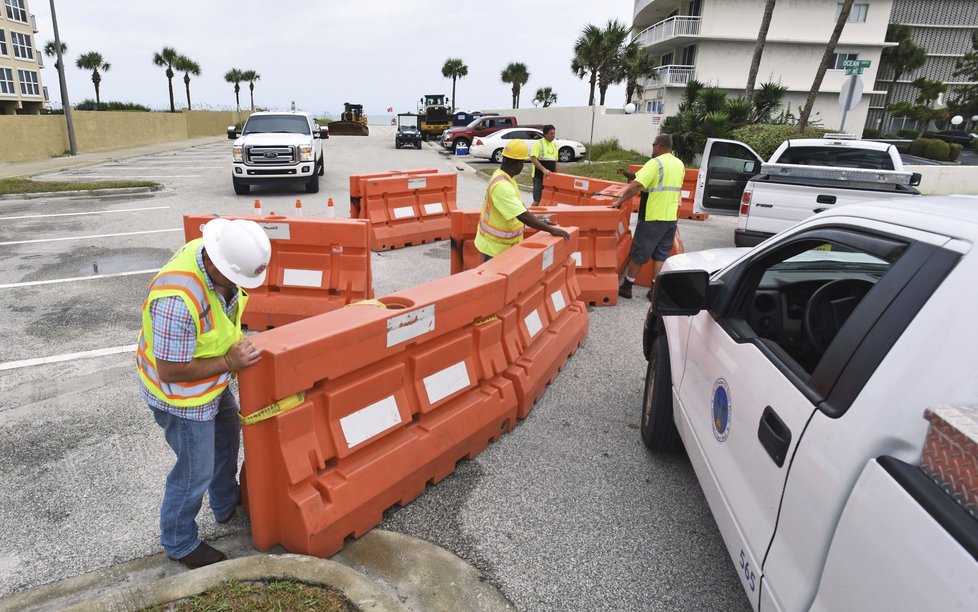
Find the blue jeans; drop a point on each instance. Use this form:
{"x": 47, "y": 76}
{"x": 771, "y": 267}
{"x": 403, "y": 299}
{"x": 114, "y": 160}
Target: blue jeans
{"x": 207, "y": 460}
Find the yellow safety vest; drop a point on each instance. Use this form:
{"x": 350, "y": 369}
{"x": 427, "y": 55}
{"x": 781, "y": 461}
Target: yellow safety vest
{"x": 216, "y": 333}
{"x": 664, "y": 195}
{"x": 545, "y": 151}
{"x": 496, "y": 233}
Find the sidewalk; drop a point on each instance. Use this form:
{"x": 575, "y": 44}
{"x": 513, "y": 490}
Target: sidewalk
{"x": 42, "y": 166}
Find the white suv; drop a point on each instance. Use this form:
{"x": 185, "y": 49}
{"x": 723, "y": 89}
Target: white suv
{"x": 277, "y": 147}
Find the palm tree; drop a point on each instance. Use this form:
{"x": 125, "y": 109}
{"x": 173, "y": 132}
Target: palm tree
{"x": 167, "y": 57}
{"x": 93, "y": 61}
{"x": 612, "y": 44}
{"x": 251, "y": 76}
{"x": 597, "y": 55}
{"x": 235, "y": 76}
{"x": 587, "y": 57}
{"x": 51, "y": 50}
{"x": 903, "y": 58}
{"x": 824, "y": 65}
{"x": 545, "y": 96}
{"x": 755, "y": 62}
{"x": 454, "y": 69}
{"x": 517, "y": 74}
{"x": 188, "y": 67}
{"x": 636, "y": 64}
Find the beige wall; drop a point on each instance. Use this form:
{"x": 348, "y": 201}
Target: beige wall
{"x": 574, "y": 123}
{"x": 28, "y": 137}
{"x": 947, "y": 180}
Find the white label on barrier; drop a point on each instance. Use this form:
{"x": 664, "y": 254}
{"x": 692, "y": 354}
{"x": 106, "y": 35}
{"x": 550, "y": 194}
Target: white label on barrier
{"x": 548, "y": 257}
{"x": 411, "y": 325}
{"x": 403, "y": 212}
{"x": 277, "y": 231}
{"x": 303, "y": 278}
{"x": 621, "y": 229}
{"x": 442, "y": 384}
{"x": 557, "y": 297}
{"x": 434, "y": 208}
{"x": 533, "y": 323}
{"x": 370, "y": 421}
{"x": 576, "y": 256}
{"x": 581, "y": 184}
{"x": 685, "y": 194}
{"x": 417, "y": 183}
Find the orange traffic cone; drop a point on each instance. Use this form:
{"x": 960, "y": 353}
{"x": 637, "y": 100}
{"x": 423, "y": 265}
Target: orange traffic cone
{"x": 330, "y": 211}
{"x": 258, "y": 207}
{"x": 298, "y": 208}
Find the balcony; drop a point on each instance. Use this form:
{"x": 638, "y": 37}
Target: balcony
{"x": 672, "y": 75}
{"x": 675, "y": 30}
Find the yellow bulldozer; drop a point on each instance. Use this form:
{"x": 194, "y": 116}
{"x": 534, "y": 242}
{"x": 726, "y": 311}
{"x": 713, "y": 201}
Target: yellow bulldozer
{"x": 352, "y": 122}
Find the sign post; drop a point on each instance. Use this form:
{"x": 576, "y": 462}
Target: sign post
{"x": 852, "y": 91}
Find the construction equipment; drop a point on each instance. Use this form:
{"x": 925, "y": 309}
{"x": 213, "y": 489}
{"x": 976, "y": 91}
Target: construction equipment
{"x": 407, "y": 131}
{"x": 352, "y": 122}
{"x": 436, "y": 115}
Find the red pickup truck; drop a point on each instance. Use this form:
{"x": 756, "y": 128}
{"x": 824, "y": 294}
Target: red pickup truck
{"x": 453, "y": 138}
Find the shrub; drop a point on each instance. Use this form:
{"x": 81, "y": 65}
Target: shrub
{"x": 88, "y": 104}
{"x": 918, "y": 146}
{"x": 765, "y": 139}
{"x": 907, "y": 133}
{"x": 871, "y": 133}
{"x": 955, "y": 152}
{"x": 610, "y": 150}
{"x": 938, "y": 150}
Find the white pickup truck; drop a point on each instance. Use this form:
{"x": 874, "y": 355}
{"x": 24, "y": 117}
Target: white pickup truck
{"x": 804, "y": 177}
{"x": 807, "y": 379}
{"x": 277, "y": 147}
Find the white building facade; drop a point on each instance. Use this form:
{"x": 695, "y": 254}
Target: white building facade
{"x": 713, "y": 41}
{"x": 21, "y": 90}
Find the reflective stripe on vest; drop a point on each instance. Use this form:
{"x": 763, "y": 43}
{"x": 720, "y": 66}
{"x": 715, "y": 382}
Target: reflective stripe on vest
{"x": 544, "y": 150}
{"x": 484, "y": 219}
{"x": 661, "y": 202}
{"x": 659, "y": 187}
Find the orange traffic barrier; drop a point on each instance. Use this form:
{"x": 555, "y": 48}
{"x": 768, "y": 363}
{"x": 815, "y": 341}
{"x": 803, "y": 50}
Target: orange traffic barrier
{"x": 406, "y": 209}
{"x": 317, "y": 265}
{"x": 644, "y": 277}
{"x": 358, "y": 409}
{"x": 570, "y": 190}
{"x": 686, "y": 196}
{"x": 356, "y": 185}
{"x": 605, "y": 239}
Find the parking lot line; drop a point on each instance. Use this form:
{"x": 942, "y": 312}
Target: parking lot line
{"x": 76, "y": 278}
{"x": 93, "y": 212}
{"x": 177, "y": 229}
{"x": 118, "y": 176}
{"x": 26, "y": 363}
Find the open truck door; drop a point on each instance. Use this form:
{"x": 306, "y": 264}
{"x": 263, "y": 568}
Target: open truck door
{"x": 726, "y": 168}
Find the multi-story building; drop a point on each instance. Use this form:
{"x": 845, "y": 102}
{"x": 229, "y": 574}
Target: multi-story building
{"x": 943, "y": 28}
{"x": 713, "y": 41}
{"x": 21, "y": 90}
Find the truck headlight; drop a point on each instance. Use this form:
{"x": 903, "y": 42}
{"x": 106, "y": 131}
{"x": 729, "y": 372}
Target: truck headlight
{"x": 305, "y": 153}
{"x": 238, "y": 154}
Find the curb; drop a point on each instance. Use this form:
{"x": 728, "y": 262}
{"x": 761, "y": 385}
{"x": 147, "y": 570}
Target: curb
{"x": 80, "y": 193}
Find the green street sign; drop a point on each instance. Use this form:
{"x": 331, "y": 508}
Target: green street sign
{"x": 852, "y": 71}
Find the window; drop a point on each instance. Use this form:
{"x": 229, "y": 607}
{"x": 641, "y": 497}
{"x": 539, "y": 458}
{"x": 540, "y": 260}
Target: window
{"x": 505, "y": 122}
{"x": 6, "y": 82}
{"x": 3, "y": 43}
{"x": 16, "y": 10}
{"x": 689, "y": 55}
{"x": 856, "y": 15}
{"x": 838, "y": 59}
{"x": 28, "y": 83}
{"x": 844, "y": 157}
{"x": 22, "y": 45}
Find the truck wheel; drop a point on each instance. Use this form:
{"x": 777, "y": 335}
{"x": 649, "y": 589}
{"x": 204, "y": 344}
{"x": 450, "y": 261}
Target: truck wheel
{"x": 497, "y": 156}
{"x": 322, "y": 166}
{"x": 239, "y": 187}
{"x": 566, "y": 154}
{"x": 417, "y": 144}
{"x": 313, "y": 185}
{"x": 658, "y": 429}
{"x": 458, "y": 144}
{"x": 397, "y": 144}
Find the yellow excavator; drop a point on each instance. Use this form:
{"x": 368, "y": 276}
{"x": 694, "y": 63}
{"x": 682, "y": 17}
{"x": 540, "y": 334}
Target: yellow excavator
{"x": 352, "y": 122}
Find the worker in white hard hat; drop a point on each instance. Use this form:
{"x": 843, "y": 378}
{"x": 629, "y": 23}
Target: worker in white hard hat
{"x": 503, "y": 213}
{"x": 189, "y": 347}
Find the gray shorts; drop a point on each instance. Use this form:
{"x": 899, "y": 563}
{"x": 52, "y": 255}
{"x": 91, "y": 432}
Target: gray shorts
{"x": 652, "y": 239}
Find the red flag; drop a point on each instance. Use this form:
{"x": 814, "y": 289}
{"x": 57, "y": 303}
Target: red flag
{"x": 390, "y": 109}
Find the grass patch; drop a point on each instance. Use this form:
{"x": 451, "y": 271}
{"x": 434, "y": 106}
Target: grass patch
{"x": 273, "y": 595}
{"x": 22, "y": 185}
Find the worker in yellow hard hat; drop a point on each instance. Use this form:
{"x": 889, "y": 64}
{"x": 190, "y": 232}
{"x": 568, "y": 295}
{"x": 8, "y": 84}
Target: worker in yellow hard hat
{"x": 503, "y": 213}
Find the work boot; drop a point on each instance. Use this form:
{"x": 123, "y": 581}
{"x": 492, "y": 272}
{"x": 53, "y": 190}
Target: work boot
{"x": 201, "y": 556}
{"x": 625, "y": 289}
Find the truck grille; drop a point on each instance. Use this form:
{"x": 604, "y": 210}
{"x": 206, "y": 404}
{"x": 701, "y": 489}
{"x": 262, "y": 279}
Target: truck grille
{"x": 270, "y": 156}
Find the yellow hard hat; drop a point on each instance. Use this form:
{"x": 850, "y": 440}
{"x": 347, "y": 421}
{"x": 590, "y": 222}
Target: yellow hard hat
{"x": 517, "y": 149}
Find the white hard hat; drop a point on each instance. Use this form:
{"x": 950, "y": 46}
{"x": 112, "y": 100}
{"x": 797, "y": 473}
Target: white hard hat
{"x": 239, "y": 249}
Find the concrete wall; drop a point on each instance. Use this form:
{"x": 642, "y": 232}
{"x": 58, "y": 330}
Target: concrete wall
{"x": 28, "y": 137}
{"x": 947, "y": 180}
{"x": 574, "y": 123}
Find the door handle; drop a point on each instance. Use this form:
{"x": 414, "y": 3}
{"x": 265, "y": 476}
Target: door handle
{"x": 774, "y": 435}
{"x": 825, "y": 199}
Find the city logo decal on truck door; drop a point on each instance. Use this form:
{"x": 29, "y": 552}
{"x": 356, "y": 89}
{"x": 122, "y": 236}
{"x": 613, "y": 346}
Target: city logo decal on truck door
{"x": 721, "y": 410}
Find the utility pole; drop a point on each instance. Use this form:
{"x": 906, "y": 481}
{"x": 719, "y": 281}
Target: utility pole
{"x": 64, "y": 86}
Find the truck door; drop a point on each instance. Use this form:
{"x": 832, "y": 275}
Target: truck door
{"x": 726, "y": 167}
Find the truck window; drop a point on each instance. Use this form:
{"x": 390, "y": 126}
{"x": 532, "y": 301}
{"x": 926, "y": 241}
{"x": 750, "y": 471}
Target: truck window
{"x": 845, "y": 157}
{"x": 276, "y": 124}
{"x": 506, "y": 122}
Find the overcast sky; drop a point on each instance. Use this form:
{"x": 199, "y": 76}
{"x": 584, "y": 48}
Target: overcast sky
{"x": 321, "y": 54}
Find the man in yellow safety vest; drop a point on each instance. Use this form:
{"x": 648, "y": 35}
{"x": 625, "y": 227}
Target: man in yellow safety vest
{"x": 503, "y": 213}
{"x": 543, "y": 156}
{"x": 188, "y": 349}
{"x": 660, "y": 180}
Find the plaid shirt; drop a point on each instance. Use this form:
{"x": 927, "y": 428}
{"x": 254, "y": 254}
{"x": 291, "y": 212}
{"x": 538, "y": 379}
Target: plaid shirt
{"x": 175, "y": 339}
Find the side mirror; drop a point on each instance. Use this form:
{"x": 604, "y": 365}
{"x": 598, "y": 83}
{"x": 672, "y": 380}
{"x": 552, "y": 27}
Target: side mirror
{"x": 232, "y": 133}
{"x": 324, "y": 132}
{"x": 750, "y": 167}
{"x": 680, "y": 292}
{"x": 915, "y": 179}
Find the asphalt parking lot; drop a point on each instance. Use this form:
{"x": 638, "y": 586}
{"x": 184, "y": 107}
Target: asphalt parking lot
{"x": 568, "y": 512}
